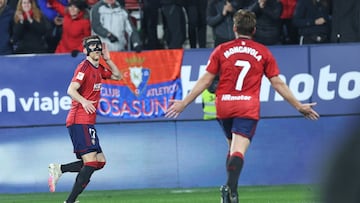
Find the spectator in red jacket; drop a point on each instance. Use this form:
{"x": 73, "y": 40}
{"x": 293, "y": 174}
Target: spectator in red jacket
{"x": 76, "y": 25}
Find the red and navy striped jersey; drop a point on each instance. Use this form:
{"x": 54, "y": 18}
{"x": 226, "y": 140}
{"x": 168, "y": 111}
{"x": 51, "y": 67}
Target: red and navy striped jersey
{"x": 89, "y": 77}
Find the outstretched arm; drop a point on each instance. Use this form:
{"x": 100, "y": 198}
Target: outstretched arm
{"x": 285, "y": 92}
{"x": 177, "y": 106}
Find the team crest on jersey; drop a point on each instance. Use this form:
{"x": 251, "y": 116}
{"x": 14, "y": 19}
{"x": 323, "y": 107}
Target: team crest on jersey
{"x": 80, "y": 76}
{"x": 136, "y": 76}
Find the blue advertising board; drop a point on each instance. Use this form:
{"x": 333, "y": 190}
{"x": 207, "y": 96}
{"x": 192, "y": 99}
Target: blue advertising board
{"x": 287, "y": 146}
{"x": 336, "y": 71}
{"x": 181, "y": 154}
{"x": 33, "y": 88}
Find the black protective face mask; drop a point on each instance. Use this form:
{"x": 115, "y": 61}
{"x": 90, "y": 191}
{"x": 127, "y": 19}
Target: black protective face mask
{"x": 95, "y": 43}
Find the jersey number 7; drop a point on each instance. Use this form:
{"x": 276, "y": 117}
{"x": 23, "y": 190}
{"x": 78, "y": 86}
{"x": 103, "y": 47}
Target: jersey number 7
{"x": 245, "y": 69}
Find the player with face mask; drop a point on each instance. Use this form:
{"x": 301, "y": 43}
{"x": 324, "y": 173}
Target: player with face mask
{"x": 84, "y": 90}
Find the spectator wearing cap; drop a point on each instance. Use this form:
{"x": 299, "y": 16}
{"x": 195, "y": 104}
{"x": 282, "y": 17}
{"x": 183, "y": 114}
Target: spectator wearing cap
{"x": 6, "y": 16}
{"x": 76, "y": 25}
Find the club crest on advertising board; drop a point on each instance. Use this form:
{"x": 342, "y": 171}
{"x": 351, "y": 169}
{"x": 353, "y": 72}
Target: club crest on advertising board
{"x": 136, "y": 76}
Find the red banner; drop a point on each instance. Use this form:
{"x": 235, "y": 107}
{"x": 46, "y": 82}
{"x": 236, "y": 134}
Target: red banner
{"x": 150, "y": 79}
{"x": 165, "y": 65}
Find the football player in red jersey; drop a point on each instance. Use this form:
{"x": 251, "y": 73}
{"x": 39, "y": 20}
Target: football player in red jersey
{"x": 241, "y": 64}
{"x": 84, "y": 90}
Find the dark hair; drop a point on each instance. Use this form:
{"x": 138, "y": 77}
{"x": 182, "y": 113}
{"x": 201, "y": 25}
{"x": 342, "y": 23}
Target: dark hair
{"x": 90, "y": 38}
{"x": 80, "y": 4}
{"x": 245, "y": 22}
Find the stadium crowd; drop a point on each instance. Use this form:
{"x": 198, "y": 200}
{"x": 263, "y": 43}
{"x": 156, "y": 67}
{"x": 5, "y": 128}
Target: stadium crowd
{"x": 58, "y": 26}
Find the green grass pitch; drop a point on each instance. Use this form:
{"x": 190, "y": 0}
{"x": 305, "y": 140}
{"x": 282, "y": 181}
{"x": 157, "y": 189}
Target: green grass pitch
{"x": 248, "y": 194}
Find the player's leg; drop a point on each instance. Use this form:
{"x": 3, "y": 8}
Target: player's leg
{"x": 56, "y": 170}
{"x": 242, "y": 133}
{"x": 226, "y": 125}
{"x": 83, "y": 177}
{"x": 235, "y": 164}
{"x": 100, "y": 157}
{"x": 88, "y": 147}
{"x": 54, "y": 176}
{"x": 72, "y": 167}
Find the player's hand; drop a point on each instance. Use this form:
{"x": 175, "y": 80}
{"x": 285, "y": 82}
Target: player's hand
{"x": 58, "y": 20}
{"x": 105, "y": 51}
{"x": 112, "y": 38}
{"x": 89, "y": 106}
{"x": 320, "y": 21}
{"x": 308, "y": 111}
{"x": 20, "y": 16}
{"x": 175, "y": 108}
{"x": 138, "y": 48}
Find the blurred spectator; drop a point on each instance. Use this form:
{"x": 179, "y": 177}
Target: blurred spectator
{"x": 149, "y": 24}
{"x": 289, "y": 31}
{"x": 90, "y": 3}
{"x": 56, "y": 20}
{"x": 111, "y": 22}
{"x": 12, "y": 4}
{"x": 29, "y": 30}
{"x": 345, "y": 21}
{"x": 220, "y": 18}
{"x": 122, "y": 2}
{"x": 175, "y": 23}
{"x": 196, "y": 15}
{"x": 341, "y": 173}
{"x": 312, "y": 17}
{"x": 268, "y": 23}
{"x": 76, "y": 25}
{"x": 6, "y": 16}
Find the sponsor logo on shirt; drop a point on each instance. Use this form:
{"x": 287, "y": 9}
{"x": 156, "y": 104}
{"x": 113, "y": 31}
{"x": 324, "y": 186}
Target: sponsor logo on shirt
{"x": 97, "y": 86}
{"x": 229, "y": 97}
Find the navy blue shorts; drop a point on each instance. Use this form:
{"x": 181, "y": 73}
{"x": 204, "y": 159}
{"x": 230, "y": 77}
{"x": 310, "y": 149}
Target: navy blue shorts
{"x": 242, "y": 126}
{"x": 84, "y": 139}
